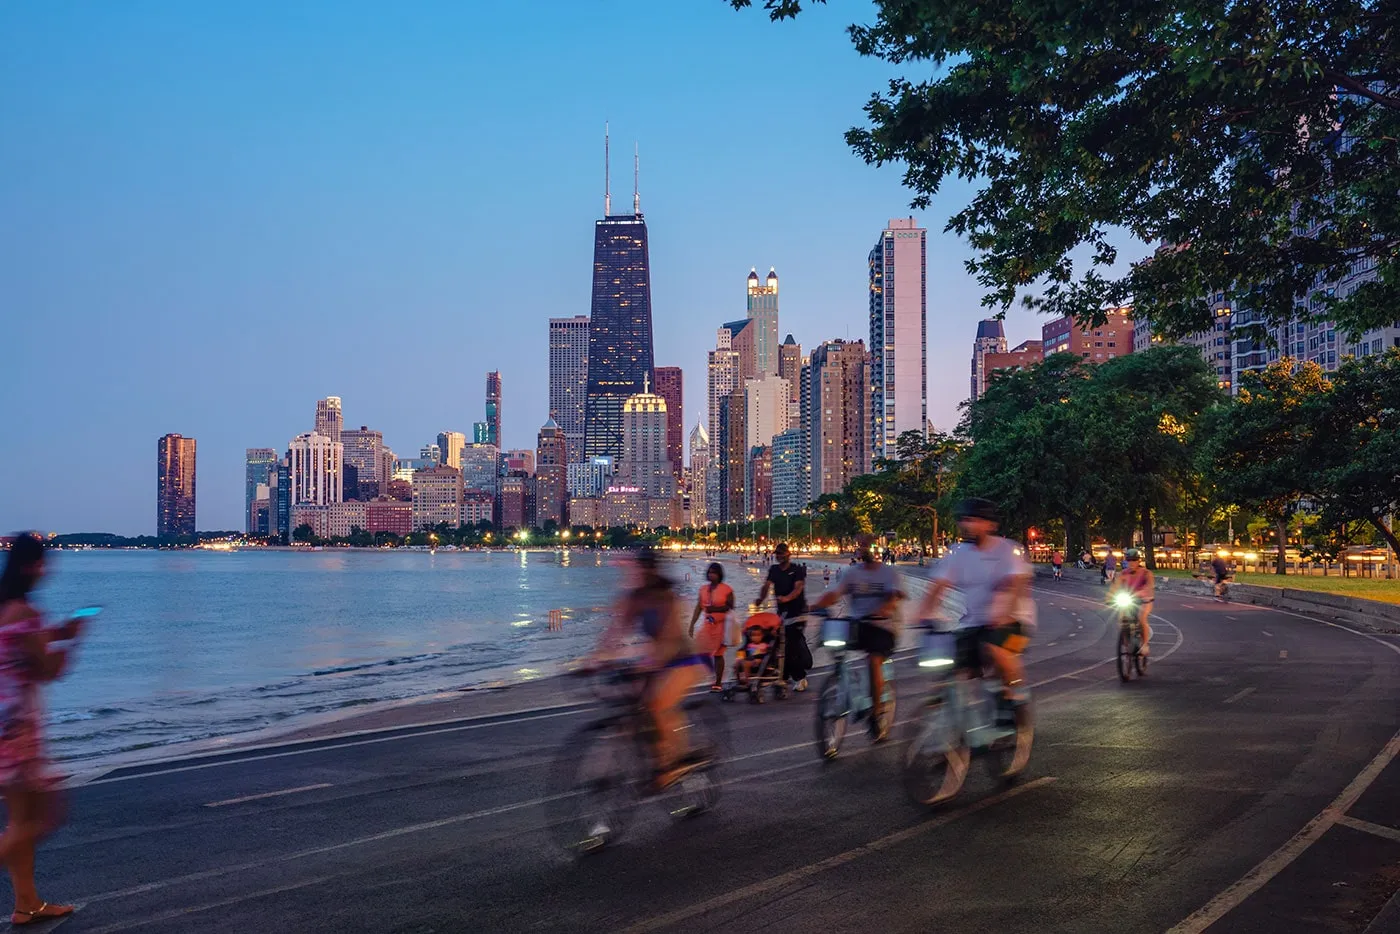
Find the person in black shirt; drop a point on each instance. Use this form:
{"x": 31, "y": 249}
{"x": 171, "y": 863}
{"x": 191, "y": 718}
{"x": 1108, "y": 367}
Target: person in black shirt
{"x": 788, "y": 583}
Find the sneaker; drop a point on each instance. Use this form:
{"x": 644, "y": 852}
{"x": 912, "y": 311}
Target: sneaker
{"x": 716, "y": 689}
{"x": 802, "y": 685}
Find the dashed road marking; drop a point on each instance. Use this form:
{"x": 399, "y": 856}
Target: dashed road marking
{"x": 1239, "y": 695}
{"x": 267, "y": 794}
{"x": 1365, "y": 826}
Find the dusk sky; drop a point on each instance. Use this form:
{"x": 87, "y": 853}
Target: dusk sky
{"x": 215, "y": 214}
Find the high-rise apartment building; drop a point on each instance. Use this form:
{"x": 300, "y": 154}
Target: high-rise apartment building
{"x": 588, "y": 479}
{"x": 493, "y": 408}
{"x": 568, "y": 378}
{"x": 480, "y": 432}
{"x": 991, "y": 339}
{"x": 450, "y": 444}
{"x": 722, "y": 377}
{"x": 175, "y": 494}
{"x": 761, "y": 481}
{"x": 437, "y": 497}
{"x": 1114, "y": 338}
{"x": 619, "y": 327}
{"x": 734, "y": 412}
{"x": 898, "y": 335}
{"x": 790, "y": 369}
{"x": 551, "y": 475}
{"x": 1023, "y": 355}
{"x": 259, "y": 468}
{"x": 645, "y": 464}
{"x": 838, "y": 406}
{"x": 786, "y": 466}
{"x": 364, "y": 450}
{"x": 767, "y": 409}
{"x": 763, "y": 312}
{"x": 284, "y": 498}
{"x": 668, "y": 387}
{"x": 316, "y": 470}
{"x": 329, "y": 420}
{"x": 699, "y": 473}
{"x": 481, "y": 468}
{"x": 519, "y": 460}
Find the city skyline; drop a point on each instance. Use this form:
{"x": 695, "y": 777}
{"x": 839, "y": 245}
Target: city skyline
{"x": 363, "y": 257}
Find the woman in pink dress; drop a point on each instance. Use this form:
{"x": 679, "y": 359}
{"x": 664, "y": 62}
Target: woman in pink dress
{"x": 715, "y": 603}
{"x": 28, "y": 658}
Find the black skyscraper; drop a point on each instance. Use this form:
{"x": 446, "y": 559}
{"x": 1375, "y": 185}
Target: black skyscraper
{"x": 619, "y": 331}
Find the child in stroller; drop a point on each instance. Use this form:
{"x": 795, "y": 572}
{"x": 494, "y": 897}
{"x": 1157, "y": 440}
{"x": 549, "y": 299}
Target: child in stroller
{"x": 759, "y": 661}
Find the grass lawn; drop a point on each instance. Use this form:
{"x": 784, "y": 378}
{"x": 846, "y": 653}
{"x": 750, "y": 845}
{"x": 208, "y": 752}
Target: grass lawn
{"x": 1365, "y": 588}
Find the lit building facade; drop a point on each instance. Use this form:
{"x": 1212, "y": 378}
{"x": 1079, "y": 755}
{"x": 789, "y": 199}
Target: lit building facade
{"x": 175, "y": 485}
{"x": 898, "y": 274}
{"x": 619, "y": 330}
{"x": 329, "y": 419}
{"x": 839, "y": 403}
{"x": 991, "y": 339}
{"x": 699, "y": 473}
{"x": 1023, "y": 355}
{"x": 364, "y": 450}
{"x": 761, "y": 481}
{"x": 259, "y": 469}
{"x": 669, "y": 387}
{"x": 645, "y": 464}
{"x": 388, "y": 515}
{"x": 788, "y": 496}
{"x": 790, "y": 369}
{"x": 437, "y": 497}
{"x": 493, "y": 408}
{"x": 589, "y": 479}
{"x": 568, "y": 378}
{"x": 722, "y": 376}
{"x": 316, "y": 475}
{"x": 481, "y": 467}
{"x": 763, "y": 312}
{"x": 450, "y": 444}
{"x": 551, "y": 475}
{"x": 1114, "y": 338}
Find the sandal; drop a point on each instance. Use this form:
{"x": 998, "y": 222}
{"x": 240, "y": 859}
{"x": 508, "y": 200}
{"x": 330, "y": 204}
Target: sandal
{"x": 44, "y": 912}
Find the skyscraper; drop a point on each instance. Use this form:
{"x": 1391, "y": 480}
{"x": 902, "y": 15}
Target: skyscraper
{"x": 329, "y": 420}
{"x": 763, "y": 312}
{"x": 790, "y": 369}
{"x": 786, "y": 458}
{"x": 259, "y": 467}
{"x": 736, "y": 455}
{"x": 991, "y": 338}
{"x": 315, "y": 470}
{"x": 551, "y": 475}
{"x": 450, "y": 444}
{"x": 364, "y": 450}
{"x": 766, "y": 409}
{"x": 568, "y": 378}
{"x": 284, "y": 498}
{"x": 898, "y": 334}
{"x": 838, "y": 407}
{"x": 175, "y": 499}
{"x": 722, "y": 376}
{"x": 619, "y": 328}
{"x": 645, "y": 464}
{"x": 493, "y": 408}
{"x": 668, "y": 387}
{"x": 699, "y": 473}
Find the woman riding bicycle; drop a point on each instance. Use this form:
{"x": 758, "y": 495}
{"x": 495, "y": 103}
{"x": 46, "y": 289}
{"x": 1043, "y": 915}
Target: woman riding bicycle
{"x": 1140, "y": 583}
{"x": 651, "y": 608}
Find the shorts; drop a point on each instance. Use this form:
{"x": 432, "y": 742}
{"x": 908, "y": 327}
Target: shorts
{"x": 873, "y": 639}
{"x": 1012, "y": 638}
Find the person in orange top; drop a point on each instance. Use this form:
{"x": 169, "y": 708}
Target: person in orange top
{"x": 715, "y": 602}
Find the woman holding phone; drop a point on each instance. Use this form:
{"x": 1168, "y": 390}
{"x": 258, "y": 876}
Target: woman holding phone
{"x": 28, "y": 658}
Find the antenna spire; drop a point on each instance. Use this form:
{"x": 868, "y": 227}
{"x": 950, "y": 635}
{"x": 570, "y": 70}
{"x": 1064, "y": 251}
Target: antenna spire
{"x": 607, "y": 173}
{"x": 636, "y": 172}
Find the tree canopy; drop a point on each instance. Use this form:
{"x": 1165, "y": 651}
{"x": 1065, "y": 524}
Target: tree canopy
{"x": 1261, "y": 141}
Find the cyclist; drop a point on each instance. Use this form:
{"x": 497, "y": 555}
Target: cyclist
{"x": 1138, "y": 581}
{"x": 995, "y": 582}
{"x": 1221, "y": 569}
{"x": 873, "y": 592}
{"x": 1057, "y": 561}
{"x": 650, "y": 606}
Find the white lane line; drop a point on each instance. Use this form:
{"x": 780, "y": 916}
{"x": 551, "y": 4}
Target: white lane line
{"x": 267, "y": 794}
{"x": 1267, "y": 633}
{"x": 1254, "y": 880}
{"x": 1239, "y": 695}
{"x": 825, "y": 865}
{"x": 1365, "y": 826}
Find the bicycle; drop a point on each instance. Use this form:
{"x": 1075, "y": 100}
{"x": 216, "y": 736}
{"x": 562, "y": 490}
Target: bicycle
{"x": 604, "y": 769}
{"x": 1130, "y": 657}
{"x": 966, "y": 715}
{"x": 844, "y": 697}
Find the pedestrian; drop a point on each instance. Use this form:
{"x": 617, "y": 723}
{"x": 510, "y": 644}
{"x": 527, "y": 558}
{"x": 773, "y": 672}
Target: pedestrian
{"x": 788, "y": 582}
{"x": 28, "y": 659}
{"x": 716, "y": 602}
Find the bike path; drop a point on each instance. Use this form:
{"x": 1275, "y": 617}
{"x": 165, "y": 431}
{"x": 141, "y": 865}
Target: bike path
{"x": 1145, "y": 800}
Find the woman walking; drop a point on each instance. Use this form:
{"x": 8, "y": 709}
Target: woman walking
{"x": 716, "y": 602}
{"x": 28, "y": 658}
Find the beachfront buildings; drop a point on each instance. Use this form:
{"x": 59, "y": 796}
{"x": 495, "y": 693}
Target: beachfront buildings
{"x": 364, "y": 450}
{"x": 898, "y": 284}
{"x": 838, "y": 408}
{"x": 788, "y": 491}
{"x": 763, "y": 312}
{"x": 668, "y": 386}
{"x": 437, "y": 497}
{"x": 699, "y": 475}
{"x": 329, "y": 420}
{"x": 259, "y": 477}
{"x": 645, "y": 463}
{"x": 589, "y": 478}
{"x": 551, "y": 475}
{"x": 175, "y": 493}
{"x": 316, "y": 469}
{"x": 568, "y": 378}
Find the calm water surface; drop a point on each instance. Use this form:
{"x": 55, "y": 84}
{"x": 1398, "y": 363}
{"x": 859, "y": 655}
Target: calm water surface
{"x": 196, "y": 644}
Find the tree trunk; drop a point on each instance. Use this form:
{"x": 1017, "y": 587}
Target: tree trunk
{"x": 1150, "y": 555}
{"x": 1281, "y": 567}
{"x": 1386, "y": 533}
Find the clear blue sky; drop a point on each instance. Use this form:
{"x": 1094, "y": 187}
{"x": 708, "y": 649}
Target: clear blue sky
{"x": 216, "y": 213}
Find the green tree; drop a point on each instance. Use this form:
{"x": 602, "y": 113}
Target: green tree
{"x": 1262, "y": 141}
{"x": 1264, "y": 444}
{"x": 304, "y": 534}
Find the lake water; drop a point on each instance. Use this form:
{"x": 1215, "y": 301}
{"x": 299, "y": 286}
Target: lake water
{"x": 197, "y": 644}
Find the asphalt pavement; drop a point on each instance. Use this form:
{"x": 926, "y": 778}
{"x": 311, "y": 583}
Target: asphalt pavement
{"x": 1247, "y": 784}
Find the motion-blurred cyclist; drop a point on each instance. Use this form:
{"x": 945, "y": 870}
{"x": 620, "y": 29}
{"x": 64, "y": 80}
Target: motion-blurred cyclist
{"x": 1221, "y": 569}
{"x": 1140, "y": 583}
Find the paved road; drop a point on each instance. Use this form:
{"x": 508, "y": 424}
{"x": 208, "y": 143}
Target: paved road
{"x": 1248, "y": 781}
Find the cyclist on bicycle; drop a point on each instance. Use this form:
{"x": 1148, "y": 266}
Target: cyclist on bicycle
{"x": 873, "y": 591}
{"x": 995, "y": 582}
{"x": 1221, "y": 568}
{"x": 650, "y": 607}
{"x": 1138, "y": 582}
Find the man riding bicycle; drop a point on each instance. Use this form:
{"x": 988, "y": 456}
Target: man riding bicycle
{"x": 1139, "y": 583}
{"x": 995, "y": 581}
{"x": 1221, "y": 568}
{"x": 873, "y": 591}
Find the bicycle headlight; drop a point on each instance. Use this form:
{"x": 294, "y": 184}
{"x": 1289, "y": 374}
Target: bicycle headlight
{"x": 1123, "y": 601}
{"x": 935, "y": 662}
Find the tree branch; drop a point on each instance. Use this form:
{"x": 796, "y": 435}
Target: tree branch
{"x": 1362, "y": 89}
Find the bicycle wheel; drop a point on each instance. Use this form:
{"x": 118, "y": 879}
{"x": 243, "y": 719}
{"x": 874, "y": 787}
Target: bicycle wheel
{"x": 707, "y": 736}
{"x": 831, "y": 717}
{"x": 1125, "y": 654}
{"x": 593, "y": 786}
{"x": 1008, "y": 757}
{"x": 1140, "y": 662}
{"x": 932, "y": 766}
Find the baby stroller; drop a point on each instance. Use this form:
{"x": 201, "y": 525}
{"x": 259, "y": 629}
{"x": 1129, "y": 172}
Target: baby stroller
{"x": 765, "y": 670}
